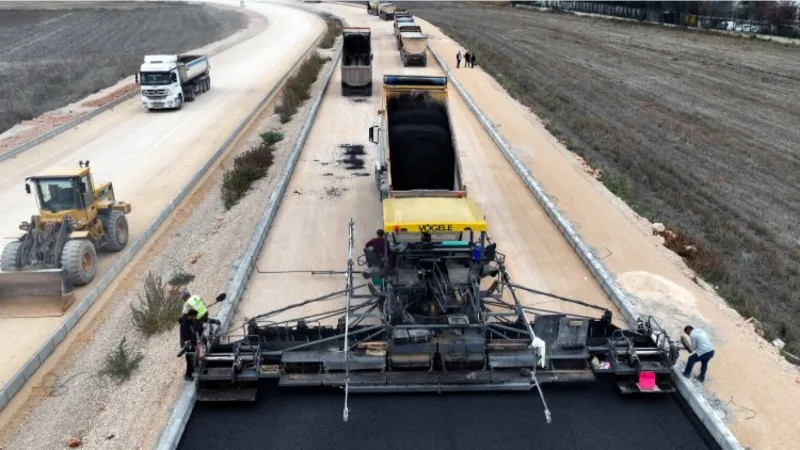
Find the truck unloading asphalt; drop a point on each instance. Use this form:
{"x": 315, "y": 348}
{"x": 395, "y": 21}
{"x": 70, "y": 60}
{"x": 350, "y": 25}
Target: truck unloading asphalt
{"x": 356, "y": 61}
{"x": 416, "y": 148}
{"x": 167, "y": 81}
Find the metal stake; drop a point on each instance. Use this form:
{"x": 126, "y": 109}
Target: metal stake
{"x": 349, "y": 287}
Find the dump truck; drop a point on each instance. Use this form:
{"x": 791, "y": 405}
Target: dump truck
{"x": 417, "y": 153}
{"x": 402, "y": 22}
{"x": 401, "y": 12}
{"x": 386, "y": 10}
{"x": 407, "y": 27}
{"x": 57, "y": 249}
{"x": 413, "y": 47}
{"x": 168, "y": 81}
{"x": 356, "y": 61}
{"x": 372, "y": 8}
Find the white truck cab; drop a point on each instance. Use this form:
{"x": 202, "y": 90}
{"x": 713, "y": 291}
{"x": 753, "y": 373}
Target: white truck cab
{"x": 167, "y": 81}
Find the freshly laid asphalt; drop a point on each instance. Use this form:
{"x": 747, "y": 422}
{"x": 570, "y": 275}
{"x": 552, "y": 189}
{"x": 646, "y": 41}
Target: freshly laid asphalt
{"x": 586, "y": 416}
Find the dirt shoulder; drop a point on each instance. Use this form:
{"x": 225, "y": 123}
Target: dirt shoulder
{"x": 50, "y": 58}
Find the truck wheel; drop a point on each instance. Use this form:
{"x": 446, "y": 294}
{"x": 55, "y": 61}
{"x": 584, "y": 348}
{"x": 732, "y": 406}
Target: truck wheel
{"x": 115, "y": 225}
{"x": 179, "y": 103}
{"x": 79, "y": 257}
{"x": 12, "y": 256}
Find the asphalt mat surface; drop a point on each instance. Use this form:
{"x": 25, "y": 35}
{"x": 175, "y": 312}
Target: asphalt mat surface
{"x": 588, "y": 416}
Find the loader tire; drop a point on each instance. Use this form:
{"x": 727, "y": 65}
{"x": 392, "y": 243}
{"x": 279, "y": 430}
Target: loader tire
{"x": 79, "y": 257}
{"x": 115, "y": 225}
{"x": 12, "y": 256}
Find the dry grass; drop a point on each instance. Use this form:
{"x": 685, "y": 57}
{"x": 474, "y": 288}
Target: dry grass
{"x": 50, "y": 58}
{"x": 248, "y": 168}
{"x": 333, "y": 30}
{"x": 296, "y": 89}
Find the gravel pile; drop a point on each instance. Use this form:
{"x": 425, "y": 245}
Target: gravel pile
{"x": 205, "y": 241}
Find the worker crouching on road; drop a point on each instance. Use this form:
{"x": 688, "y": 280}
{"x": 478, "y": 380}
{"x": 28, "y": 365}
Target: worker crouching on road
{"x": 702, "y": 350}
{"x": 196, "y": 303}
{"x": 189, "y": 331}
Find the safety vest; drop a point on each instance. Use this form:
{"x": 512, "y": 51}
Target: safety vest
{"x": 197, "y": 304}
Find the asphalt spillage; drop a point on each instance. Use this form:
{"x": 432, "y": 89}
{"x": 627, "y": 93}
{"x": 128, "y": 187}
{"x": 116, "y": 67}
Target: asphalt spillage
{"x": 585, "y": 416}
{"x": 352, "y": 156}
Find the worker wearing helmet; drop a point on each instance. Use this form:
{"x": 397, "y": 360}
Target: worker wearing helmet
{"x": 194, "y": 302}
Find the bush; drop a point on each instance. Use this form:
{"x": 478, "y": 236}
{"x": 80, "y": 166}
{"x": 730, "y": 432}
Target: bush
{"x": 248, "y": 167}
{"x": 297, "y": 88}
{"x": 160, "y": 308}
{"x": 121, "y": 362}
{"x": 271, "y": 137}
{"x": 333, "y": 30}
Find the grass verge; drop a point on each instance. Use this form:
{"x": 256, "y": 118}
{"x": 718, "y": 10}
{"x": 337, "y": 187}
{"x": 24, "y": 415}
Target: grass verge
{"x": 248, "y": 167}
{"x": 296, "y": 89}
{"x": 334, "y": 29}
{"x": 254, "y": 164}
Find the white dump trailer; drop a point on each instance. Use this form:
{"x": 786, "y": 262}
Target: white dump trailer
{"x": 386, "y": 11}
{"x": 372, "y": 8}
{"x": 167, "y": 81}
{"x": 413, "y": 48}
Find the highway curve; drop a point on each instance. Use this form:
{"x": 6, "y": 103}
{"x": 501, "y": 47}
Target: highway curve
{"x": 150, "y": 156}
{"x": 310, "y": 233}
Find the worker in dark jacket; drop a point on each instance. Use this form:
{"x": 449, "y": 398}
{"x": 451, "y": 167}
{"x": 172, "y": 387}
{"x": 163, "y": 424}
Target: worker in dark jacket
{"x": 188, "y": 329}
{"x": 467, "y": 59}
{"x": 378, "y": 243}
{"x": 472, "y": 59}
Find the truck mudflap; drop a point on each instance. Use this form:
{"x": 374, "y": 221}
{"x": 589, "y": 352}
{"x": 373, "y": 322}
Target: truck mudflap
{"x": 356, "y": 91}
{"x": 35, "y": 293}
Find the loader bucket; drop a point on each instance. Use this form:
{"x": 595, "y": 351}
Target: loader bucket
{"x": 35, "y": 293}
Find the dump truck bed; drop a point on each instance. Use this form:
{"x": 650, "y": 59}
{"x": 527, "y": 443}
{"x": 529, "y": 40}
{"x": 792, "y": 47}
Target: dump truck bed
{"x": 421, "y": 153}
{"x": 356, "y": 61}
{"x": 413, "y": 42}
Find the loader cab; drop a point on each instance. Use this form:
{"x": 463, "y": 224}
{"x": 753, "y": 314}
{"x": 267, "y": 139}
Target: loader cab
{"x": 63, "y": 191}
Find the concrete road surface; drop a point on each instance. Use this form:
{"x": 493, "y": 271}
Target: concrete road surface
{"x": 150, "y": 156}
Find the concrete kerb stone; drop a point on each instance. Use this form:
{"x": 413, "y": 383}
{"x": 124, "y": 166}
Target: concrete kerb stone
{"x": 18, "y": 380}
{"x": 83, "y": 118}
{"x": 181, "y": 410}
{"x": 699, "y": 405}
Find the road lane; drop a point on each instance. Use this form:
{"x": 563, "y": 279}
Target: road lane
{"x": 150, "y": 156}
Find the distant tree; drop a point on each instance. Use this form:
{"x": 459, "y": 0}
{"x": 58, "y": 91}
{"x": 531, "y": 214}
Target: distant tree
{"x": 778, "y": 14}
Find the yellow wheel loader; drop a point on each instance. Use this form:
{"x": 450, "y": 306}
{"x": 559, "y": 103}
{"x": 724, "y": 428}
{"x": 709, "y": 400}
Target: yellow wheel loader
{"x": 57, "y": 249}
